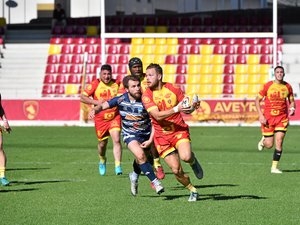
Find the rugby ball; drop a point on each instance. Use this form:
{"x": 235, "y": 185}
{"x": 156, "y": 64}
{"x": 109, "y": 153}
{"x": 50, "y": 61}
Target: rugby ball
{"x": 189, "y": 101}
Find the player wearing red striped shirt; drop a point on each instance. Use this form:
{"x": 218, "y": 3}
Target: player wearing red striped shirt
{"x": 171, "y": 136}
{"x": 279, "y": 105}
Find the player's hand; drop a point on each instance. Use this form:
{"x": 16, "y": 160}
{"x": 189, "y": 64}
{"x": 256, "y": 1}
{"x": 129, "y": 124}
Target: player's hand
{"x": 92, "y": 114}
{"x": 262, "y": 119}
{"x": 292, "y": 111}
{"x": 197, "y": 104}
{"x": 146, "y": 144}
{"x": 6, "y": 127}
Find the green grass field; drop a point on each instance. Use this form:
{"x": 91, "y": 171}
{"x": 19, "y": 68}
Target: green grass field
{"x": 54, "y": 180}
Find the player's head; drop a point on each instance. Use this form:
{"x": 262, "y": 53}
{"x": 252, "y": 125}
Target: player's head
{"x": 135, "y": 66}
{"x": 105, "y": 73}
{"x": 154, "y": 75}
{"x": 132, "y": 85}
{"x": 279, "y": 73}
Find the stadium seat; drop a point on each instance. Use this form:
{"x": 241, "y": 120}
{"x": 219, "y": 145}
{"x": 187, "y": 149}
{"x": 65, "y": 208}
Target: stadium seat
{"x": 195, "y": 41}
{"x": 77, "y": 59}
{"x": 90, "y": 49}
{"x": 137, "y": 41}
{"x": 51, "y": 69}
{"x": 230, "y": 49}
{"x": 216, "y": 90}
{"x": 206, "y": 49}
{"x": 123, "y": 59}
{"x": 180, "y": 79}
{"x": 228, "y": 90}
{"x": 242, "y": 41}
{"x": 160, "y": 49}
{"x": 253, "y": 79}
{"x": 183, "y": 49}
{"x": 47, "y": 90}
{"x": 253, "y": 69}
{"x": 79, "y": 40}
{"x": 148, "y": 50}
{"x": 240, "y": 90}
{"x": 170, "y": 78}
{"x": 205, "y": 90}
{"x": 264, "y": 78}
{"x": 242, "y": 49}
{"x": 113, "y": 49}
{"x": 204, "y": 78}
{"x": 69, "y": 30}
{"x": 170, "y": 69}
{"x": 266, "y": 41}
{"x": 253, "y": 90}
{"x": 149, "y": 41}
{"x": 147, "y": 59}
{"x": 217, "y": 59}
{"x": 241, "y": 79}
{"x": 218, "y": 49}
{"x": 229, "y": 69}
{"x": 122, "y": 69}
{"x": 230, "y": 41}
{"x": 64, "y": 59}
{"x": 49, "y": 79}
{"x": 182, "y": 59}
{"x": 195, "y": 79}
{"x": 228, "y": 79}
{"x": 170, "y": 59}
{"x": 265, "y": 59}
{"x": 217, "y": 69}
{"x": 61, "y": 79}
{"x": 183, "y": 41}
{"x": 56, "y": 40}
{"x": 192, "y": 89}
{"x": 159, "y": 59}
{"x": 241, "y": 69}
{"x": 264, "y": 69}
{"x": 124, "y": 49}
{"x": 111, "y": 59}
{"x": 76, "y": 69}
{"x": 229, "y": 59}
{"x": 194, "y": 59}
{"x": 92, "y": 40}
{"x": 54, "y": 50}
{"x": 253, "y": 59}
{"x": 172, "y": 49}
{"x": 161, "y": 29}
{"x": 98, "y": 49}
{"x": 193, "y": 69}
{"x": 68, "y": 40}
{"x": 205, "y": 69}
{"x": 113, "y": 41}
{"x": 172, "y": 41}
{"x": 63, "y": 69}
{"x": 71, "y": 89}
{"x": 66, "y": 49}
{"x": 254, "y": 41}
{"x": 137, "y": 50}
{"x": 52, "y": 59}
{"x": 265, "y": 49}
{"x": 77, "y": 49}
{"x": 160, "y": 41}
{"x": 194, "y": 49}
{"x": 73, "y": 79}
{"x": 181, "y": 69}
{"x": 253, "y": 49}
{"x": 241, "y": 59}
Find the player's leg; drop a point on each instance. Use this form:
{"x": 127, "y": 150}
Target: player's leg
{"x": 145, "y": 166}
{"x": 102, "y": 156}
{"x": 3, "y": 179}
{"x": 267, "y": 140}
{"x": 173, "y": 162}
{"x": 117, "y": 150}
{"x": 156, "y": 163}
{"x": 186, "y": 154}
{"x": 279, "y": 137}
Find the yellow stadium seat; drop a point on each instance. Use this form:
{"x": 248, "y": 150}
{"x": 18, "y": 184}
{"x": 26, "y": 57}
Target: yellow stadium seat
{"x": 137, "y": 41}
{"x": 194, "y": 59}
{"x": 147, "y": 59}
{"x": 253, "y": 79}
{"x": 205, "y": 59}
{"x": 137, "y": 50}
{"x": 218, "y": 59}
{"x": 240, "y": 90}
{"x": 253, "y": 90}
{"x": 217, "y": 69}
{"x": 253, "y": 69}
{"x": 205, "y": 90}
{"x": 169, "y": 78}
{"x": 161, "y": 29}
{"x": 159, "y": 59}
{"x": 217, "y": 79}
{"x": 205, "y": 69}
{"x": 241, "y": 79}
{"x": 172, "y": 50}
{"x": 149, "y": 41}
{"x": 192, "y": 89}
{"x": 264, "y": 78}
{"x": 193, "y": 69}
{"x": 92, "y": 31}
{"x": 264, "y": 69}
{"x": 206, "y": 49}
{"x": 205, "y": 78}
{"x": 193, "y": 79}
{"x": 241, "y": 69}
{"x": 216, "y": 90}
{"x": 170, "y": 69}
{"x": 253, "y": 59}
{"x": 160, "y": 41}
{"x": 71, "y": 89}
{"x": 160, "y": 49}
{"x": 172, "y": 41}
{"x": 54, "y": 50}
{"x": 150, "y": 29}
{"x": 148, "y": 49}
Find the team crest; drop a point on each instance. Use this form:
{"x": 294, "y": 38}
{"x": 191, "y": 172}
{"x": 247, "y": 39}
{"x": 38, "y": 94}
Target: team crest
{"x": 31, "y": 109}
{"x": 146, "y": 99}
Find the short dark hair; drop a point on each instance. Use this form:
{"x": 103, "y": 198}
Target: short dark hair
{"x": 126, "y": 80}
{"x": 133, "y": 61}
{"x": 279, "y": 67}
{"x": 106, "y": 67}
{"x": 155, "y": 66}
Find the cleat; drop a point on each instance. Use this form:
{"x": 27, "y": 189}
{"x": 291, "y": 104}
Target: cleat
{"x": 102, "y": 168}
{"x": 4, "y": 181}
{"x": 160, "y": 174}
{"x": 275, "y": 170}
{"x": 118, "y": 170}
{"x": 193, "y": 197}
{"x": 260, "y": 145}
{"x": 133, "y": 185}
{"x": 159, "y": 189}
{"x": 197, "y": 169}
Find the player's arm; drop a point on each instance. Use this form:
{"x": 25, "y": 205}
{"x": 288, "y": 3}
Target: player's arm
{"x": 161, "y": 115}
{"x": 292, "y": 108}
{"x": 147, "y": 144}
{"x": 4, "y": 118}
{"x": 87, "y": 100}
{"x": 262, "y": 118}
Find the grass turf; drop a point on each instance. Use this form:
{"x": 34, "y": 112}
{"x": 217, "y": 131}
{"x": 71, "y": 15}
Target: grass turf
{"x": 54, "y": 180}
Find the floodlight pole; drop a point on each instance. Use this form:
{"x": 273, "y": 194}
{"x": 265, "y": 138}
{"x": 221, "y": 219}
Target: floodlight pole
{"x": 274, "y": 33}
{"x": 102, "y": 31}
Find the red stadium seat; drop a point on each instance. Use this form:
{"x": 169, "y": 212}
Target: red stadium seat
{"x": 124, "y": 49}
{"x": 229, "y": 59}
{"x": 195, "y": 41}
{"x": 98, "y": 49}
{"x": 47, "y": 90}
{"x": 207, "y": 41}
{"x": 59, "y": 90}
{"x": 183, "y": 41}
{"x": 265, "y": 59}
{"x": 182, "y": 59}
{"x": 265, "y": 49}
{"x": 90, "y": 49}
{"x": 194, "y": 49}
{"x": 183, "y": 49}
{"x": 49, "y": 79}
{"x": 241, "y": 59}
{"x": 77, "y": 49}
{"x": 230, "y": 49}
{"x": 181, "y": 69}
{"x": 253, "y": 49}
{"x": 113, "y": 41}
{"x": 63, "y": 69}
{"x": 229, "y": 69}
{"x": 64, "y": 59}
{"x": 51, "y": 69}
{"x": 73, "y": 79}
{"x": 61, "y": 79}
{"x": 75, "y": 69}
{"x": 219, "y": 41}
{"x": 68, "y": 40}
{"x": 123, "y": 59}
{"x": 242, "y": 49}
{"x": 92, "y": 40}
{"x": 254, "y": 41}
{"x": 111, "y": 59}
{"x": 228, "y": 79}
{"x": 170, "y": 59}
{"x": 98, "y": 59}
{"x": 113, "y": 49}
{"x": 122, "y": 69}
{"x": 227, "y": 90}
{"x": 242, "y": 41}
{"x": 52, "y": 59}
{"x": 218, "y": 49}
{"x": 230, "y": 41}
{"x": 77, "y": 59}
{"x": 180, "y": 79}
{"x": 66, "y": 49}
{"x": 56, "y": 40}
{"x": 79, "y": 40}
{"x": 266, "y": 41}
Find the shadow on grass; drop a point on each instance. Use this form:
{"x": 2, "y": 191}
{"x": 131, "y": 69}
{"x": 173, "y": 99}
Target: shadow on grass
{"x": 207, "y": 186}
{"x": 221, "y": 197}
{"x": 291, "y": 171}
{"x": 13, "y": 169}
{"x": 18, "y": 190}
{"x": 38, "y": 182}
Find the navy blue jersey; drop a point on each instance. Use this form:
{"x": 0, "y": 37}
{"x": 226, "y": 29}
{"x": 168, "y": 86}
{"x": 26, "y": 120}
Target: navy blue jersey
{"x": 136, "y": 123}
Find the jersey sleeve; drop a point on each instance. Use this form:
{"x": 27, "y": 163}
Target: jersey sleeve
{"x": 114, "y": 101}
{"x": 147, "y": 99}
{"x": 90, "y": 89}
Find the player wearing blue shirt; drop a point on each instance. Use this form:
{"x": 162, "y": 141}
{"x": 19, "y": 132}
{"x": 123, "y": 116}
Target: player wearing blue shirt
{"x": 136, "y": 129}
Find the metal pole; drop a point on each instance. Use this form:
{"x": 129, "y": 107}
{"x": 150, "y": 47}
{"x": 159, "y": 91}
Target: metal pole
{"x": 274, "y": 33}
{"x": 102, "y": 31}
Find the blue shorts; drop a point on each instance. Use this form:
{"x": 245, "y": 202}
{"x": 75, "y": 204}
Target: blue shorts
{"x": 127, "y": 138}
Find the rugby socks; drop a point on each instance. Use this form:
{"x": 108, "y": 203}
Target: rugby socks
{"x": 191, "y": 188}
{"x": 117, "y": 163}
{"x": 136, "y": 168}
{"x": 2, "y": 172}
{"x": 156, "y": 163}
{"x": 276, "y": 158}
{"x": 148, "y": 171}
{"x": 102, "y": 159}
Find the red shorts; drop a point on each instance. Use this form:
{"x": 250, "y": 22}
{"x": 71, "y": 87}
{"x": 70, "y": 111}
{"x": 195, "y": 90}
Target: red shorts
{"x": 166, "y": 144}
{"x": 275, "y": 123}
{"x": 103, "y": 127}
